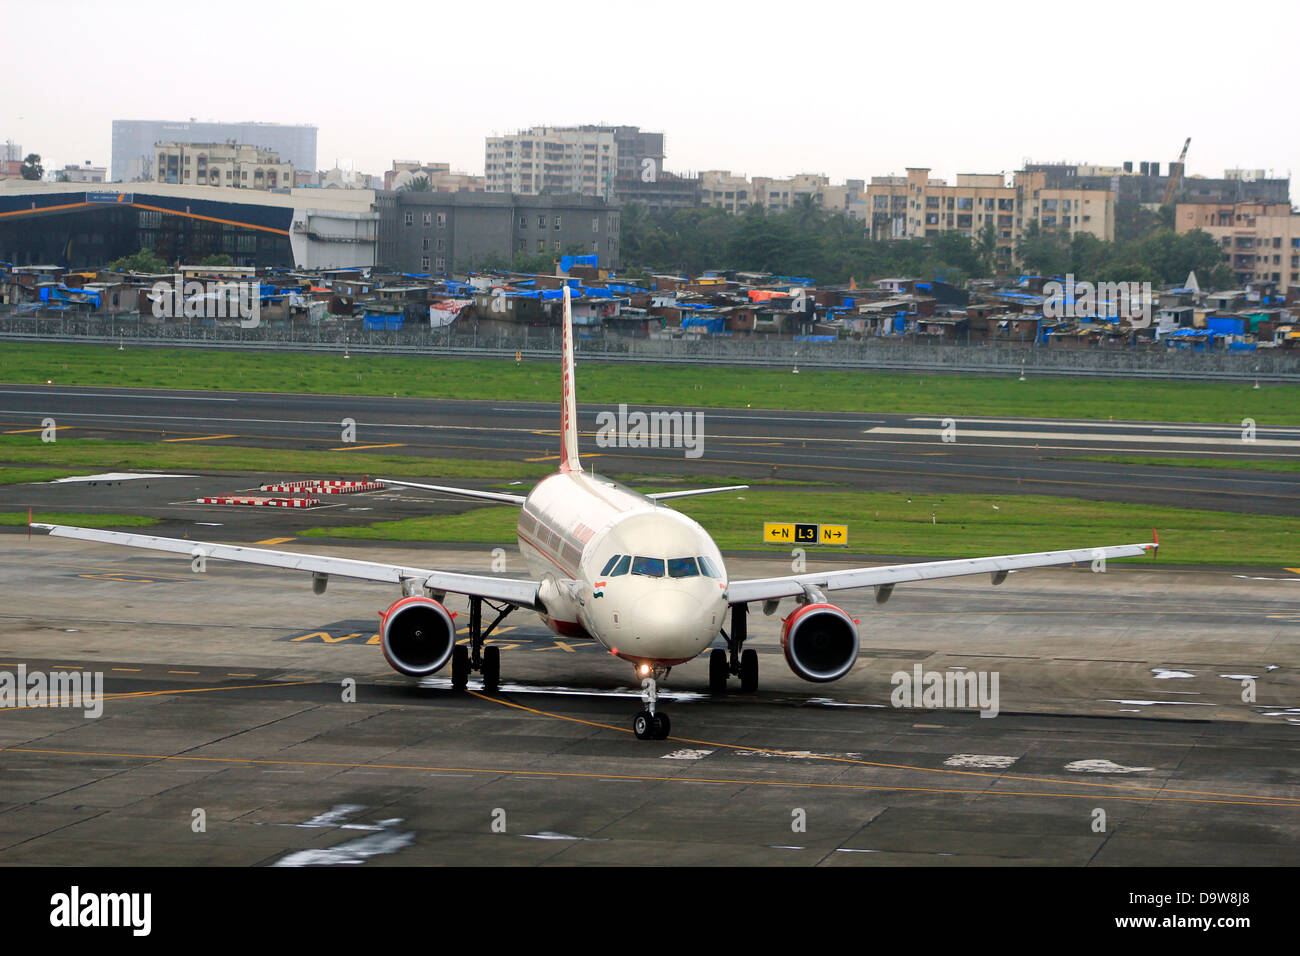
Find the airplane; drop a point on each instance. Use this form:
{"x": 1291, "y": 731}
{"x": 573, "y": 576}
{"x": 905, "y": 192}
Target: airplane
{"x": 615, "y": 566}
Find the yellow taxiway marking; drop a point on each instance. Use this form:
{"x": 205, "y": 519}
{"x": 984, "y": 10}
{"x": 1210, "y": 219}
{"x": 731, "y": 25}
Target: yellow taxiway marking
{"x": 358, "y": 447}
{"x": 557, "y": 457}
{"x": 182, "y": 672}
{"x": 200, "y": 438}
{"x": 1292, "y": 570}
{"x": 134, "y": 670}
{"x": 274, "y": 541}
{"x": 237, "y": 674}
{"x": 28, "y": 431}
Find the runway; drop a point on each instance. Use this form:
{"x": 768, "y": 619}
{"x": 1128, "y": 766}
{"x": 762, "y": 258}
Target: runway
{"x": 1121, "y": 705}
{"x": 861, "y": 451}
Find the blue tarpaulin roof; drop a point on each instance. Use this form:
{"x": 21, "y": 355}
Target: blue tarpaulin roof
{"x": 568, "y": 262}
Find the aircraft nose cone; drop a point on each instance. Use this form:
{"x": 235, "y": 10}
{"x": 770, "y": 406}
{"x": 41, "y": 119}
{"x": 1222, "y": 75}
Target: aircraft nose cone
{"x": 667, "y": 615}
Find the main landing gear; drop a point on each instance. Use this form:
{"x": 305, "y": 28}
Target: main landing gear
{"x": 485, "y": 660}
{"x": 735, "y": 661}
{"x": 647, "y": 724}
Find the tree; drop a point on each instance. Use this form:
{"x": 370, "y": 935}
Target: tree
{"x": 32, "y": 168}
{"x": 217, "y": 259}
{"x": 146, "y": 261}
{"x": 418, "y": 184}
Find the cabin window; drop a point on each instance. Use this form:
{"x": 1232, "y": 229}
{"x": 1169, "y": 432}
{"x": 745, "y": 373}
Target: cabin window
{"x": 624, "y": 563}
{"x": 609, "y": 565}
{"x": 682, "y": 568}
{"x": 650, "y": 567}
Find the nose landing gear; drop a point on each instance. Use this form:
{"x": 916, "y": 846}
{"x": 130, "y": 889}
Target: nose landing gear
{"x": 647, "y": 724}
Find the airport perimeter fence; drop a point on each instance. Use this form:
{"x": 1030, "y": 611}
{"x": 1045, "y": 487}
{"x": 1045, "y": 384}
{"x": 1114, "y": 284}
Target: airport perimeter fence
{"x": 901, "y": 354}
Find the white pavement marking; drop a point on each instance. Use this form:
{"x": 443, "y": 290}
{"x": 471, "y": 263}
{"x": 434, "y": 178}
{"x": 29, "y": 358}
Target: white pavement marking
{"x": 1103, "y": 766}
{"x": 990, "y": 761}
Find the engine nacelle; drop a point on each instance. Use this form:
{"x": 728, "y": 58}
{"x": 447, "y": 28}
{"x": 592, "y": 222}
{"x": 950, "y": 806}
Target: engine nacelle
{"x": 417, "y": 635}
{"x": 820, "y": 642}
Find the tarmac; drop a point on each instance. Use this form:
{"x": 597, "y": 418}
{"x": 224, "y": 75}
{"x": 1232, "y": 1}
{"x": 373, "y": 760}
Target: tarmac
{"x": 1125, "y": 732}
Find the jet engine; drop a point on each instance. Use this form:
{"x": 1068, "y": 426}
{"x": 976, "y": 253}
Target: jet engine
{"x": 820, "y": 642}
{"x": 417, "y": 635}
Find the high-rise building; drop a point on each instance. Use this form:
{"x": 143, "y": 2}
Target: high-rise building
{"x": 134, "y": 143}
{"x": 553, "y": 160}
{"x": 1261, "y": 240}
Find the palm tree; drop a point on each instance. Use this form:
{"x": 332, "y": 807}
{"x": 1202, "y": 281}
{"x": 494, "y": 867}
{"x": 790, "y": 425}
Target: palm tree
{"x": 418, "y": 184}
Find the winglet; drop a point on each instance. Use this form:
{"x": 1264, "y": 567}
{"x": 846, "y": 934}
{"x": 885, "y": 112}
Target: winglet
{"x": 568, "y": 405}
{"x": 1155, "y": 536}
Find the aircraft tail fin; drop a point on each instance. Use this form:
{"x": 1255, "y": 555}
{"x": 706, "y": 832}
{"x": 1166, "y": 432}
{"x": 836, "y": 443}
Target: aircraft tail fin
{"x": 568, "y": 407}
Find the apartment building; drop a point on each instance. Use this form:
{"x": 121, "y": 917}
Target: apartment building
{"x": 554, "y": 160}
{"x": 1261, "y": 240}
{"x": 919, "y": 206}
{"x": 221, "y": 164}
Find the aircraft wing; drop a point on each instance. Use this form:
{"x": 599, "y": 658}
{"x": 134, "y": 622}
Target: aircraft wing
{"x": 770, "y": 589}
{"x": 508, "y": 590}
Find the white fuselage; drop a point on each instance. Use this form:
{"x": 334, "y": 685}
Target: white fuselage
{"x": 661, "y": 606}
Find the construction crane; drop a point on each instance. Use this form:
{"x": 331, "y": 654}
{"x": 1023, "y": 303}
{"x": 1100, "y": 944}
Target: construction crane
{"x": 1175, "y": 175}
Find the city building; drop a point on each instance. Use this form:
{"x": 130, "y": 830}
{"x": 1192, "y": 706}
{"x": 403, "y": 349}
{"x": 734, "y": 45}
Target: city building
{"x": 554, "y": 160}
{"x": 1261, "y": 240}
{"x": 231, "y": 165}
{"x": 70, "y": 225}
{"x": 85, "y": 173}
{"x": 441, "y": 178}
{"x": 1142, "y": 183}
{"x": 134, "y": 142}
{"x": 918, "y": 206}
{"x": 456, "y": 231}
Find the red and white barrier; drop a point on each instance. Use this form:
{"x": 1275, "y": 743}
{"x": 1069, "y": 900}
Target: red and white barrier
{"x": 260, "y": 501}
{"x": 326, "y": 487}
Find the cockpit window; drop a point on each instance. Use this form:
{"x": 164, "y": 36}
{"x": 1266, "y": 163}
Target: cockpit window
{"x": 650, "y": 567}
{"x": 682, "y": 568}
{"x": 706, "y": 566}
{"x": 609, "y": 565}
{"x": 623, "y": 564}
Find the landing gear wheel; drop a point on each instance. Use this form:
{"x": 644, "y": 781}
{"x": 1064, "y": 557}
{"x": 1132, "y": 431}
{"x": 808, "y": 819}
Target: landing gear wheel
{"x": 644, "y": 725}
{"x": 459, "y": 667}
{"x": 491, "y": 669}
{"x": 662, "y": 726}
{"x": 718, "y": 671}
{"x": 749, "y": 671}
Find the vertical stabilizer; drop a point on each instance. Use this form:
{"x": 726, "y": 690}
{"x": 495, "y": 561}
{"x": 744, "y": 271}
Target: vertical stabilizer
{"x": 568, "y": 405}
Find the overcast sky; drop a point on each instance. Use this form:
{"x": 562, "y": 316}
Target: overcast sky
{"x": 760, "y": 88}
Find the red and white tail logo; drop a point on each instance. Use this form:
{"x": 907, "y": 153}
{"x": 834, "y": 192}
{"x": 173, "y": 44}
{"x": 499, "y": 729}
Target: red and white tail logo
{"x": 568, "y": 405}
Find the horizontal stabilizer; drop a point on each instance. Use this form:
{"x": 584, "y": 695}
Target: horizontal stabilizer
{"x": 665, "y": 495}
{"x": 463, "y": 492}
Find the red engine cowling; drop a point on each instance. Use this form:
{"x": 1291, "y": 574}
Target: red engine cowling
{"x": 417, "y": 635}
{"x": 820, "y": 642}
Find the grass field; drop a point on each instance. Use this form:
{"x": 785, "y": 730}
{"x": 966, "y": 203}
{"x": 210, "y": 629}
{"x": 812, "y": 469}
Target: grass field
{"x": 19, "y": 518}
{"x": 70, "y": 456}
{"x": 898, "y": 524}
{"x": 669, "y": 386}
